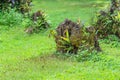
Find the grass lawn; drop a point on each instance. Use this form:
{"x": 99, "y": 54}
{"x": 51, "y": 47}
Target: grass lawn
{"x": 31, "y": 57}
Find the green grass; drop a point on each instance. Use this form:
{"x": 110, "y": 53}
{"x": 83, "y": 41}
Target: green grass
{"x": 30, "y": 57}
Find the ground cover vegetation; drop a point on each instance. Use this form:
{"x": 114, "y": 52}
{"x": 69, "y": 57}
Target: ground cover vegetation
{"x": 27, "y": 52}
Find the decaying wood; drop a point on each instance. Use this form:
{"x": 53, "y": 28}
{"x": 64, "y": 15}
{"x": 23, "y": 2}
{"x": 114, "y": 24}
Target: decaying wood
{"x": 78, "y": 36}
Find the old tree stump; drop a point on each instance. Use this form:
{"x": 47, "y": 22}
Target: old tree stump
{"x": 108, "y": 21}
{"x": 72, "y": 36}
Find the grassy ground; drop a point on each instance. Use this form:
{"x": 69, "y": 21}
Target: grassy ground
{"x": 30, "y": 57}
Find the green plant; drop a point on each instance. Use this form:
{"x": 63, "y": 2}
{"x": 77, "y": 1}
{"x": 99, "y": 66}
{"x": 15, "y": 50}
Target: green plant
{"x": 112, "y": 40}
{"x": 22, "y": 6}
{"x": 71, "y": 36}
{"x": 108, "y": 22}
{"x": 10, "y": 18}
{"x": 37, "y": 23}
{"x": 88, "y": 56}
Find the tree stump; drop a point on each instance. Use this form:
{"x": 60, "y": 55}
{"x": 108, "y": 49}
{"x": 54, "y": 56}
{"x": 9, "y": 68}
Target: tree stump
{"x": 72, "y": 37}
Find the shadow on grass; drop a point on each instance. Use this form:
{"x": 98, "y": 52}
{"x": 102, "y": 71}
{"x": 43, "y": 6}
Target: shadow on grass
{"x": 50, "y": 58}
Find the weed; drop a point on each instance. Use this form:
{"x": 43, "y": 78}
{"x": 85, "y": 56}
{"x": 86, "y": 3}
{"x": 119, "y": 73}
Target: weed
{"x": 37, "y": 23}
{"x": 112, "y": 40}
{"x": 88, "y": 56}
{"x": 11, "y": 18}
{"x": 108, "y": 22}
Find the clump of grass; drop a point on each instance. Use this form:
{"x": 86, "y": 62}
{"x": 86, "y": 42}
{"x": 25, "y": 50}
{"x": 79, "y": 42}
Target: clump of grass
{"x": 10, "y": 18}
{"x": 88, "y": 56}
{"x": 112, "y": 40}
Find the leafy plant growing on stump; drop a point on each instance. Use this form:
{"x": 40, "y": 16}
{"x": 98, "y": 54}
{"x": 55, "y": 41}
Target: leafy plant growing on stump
{"x": 108, "y": 22}
{"x": 38, "y": 22}
{"x": 71, "y": 37}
